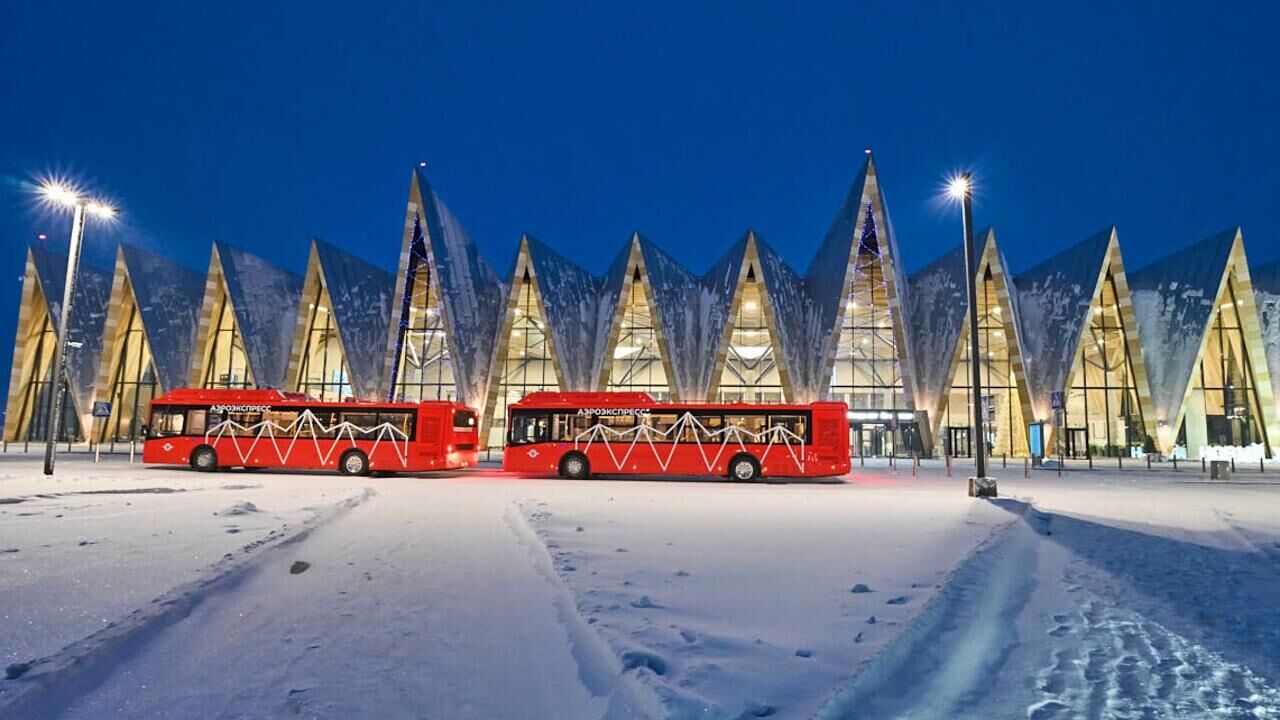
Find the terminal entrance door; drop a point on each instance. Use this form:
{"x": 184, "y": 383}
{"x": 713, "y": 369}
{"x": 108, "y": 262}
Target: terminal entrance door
{"x": 958, "y": 442}
{"x": 1077, "y": 442}
{"x": 882, "y": 439}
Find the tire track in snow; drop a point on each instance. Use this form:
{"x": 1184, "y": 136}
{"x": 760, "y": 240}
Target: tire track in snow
{"x": 1027, "y": 628}
{"x": 53, "y": 683}
{"x": 599, "y": 668}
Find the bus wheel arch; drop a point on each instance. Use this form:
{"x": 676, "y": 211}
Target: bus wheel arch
{"x": 575, "y": 465}
{"x": 354, "y": 462}
{"x": 744, "y": 467}
{"x": 204, "y": 458}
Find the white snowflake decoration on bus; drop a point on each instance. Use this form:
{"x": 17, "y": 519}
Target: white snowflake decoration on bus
{"x": 776, "y": 435}
{"x": 386, "y": 431}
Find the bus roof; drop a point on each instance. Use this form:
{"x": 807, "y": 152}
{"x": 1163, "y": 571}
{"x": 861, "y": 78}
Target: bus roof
{"x": 250, "y": 396}
{"x": 569, "y": 400}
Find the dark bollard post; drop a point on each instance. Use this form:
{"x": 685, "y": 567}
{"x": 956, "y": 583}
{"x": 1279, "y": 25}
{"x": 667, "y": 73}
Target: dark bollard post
{"x": 1261, "y": 467}
{"x": 1120, "y": 461}
{"x": 1175, "y": 463}
{"x": 948, "y": 466}
{"x": 1203, "y": 467}
{"x": 1233, "y": 465}
{"x": 1090, "y": 456}
{"x": 915, "y": 462}
{"x": 1148, "y": 461}
{"x": 1026, "y": 467}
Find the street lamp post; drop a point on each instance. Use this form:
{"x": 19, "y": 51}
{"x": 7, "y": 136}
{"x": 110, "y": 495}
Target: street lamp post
{"x": 961, "y": 188}
{"x": 65, "y": 197}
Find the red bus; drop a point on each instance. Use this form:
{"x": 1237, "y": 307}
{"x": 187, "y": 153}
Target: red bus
{"x": 581, "y": 434}
{"x": 211, "y": 429}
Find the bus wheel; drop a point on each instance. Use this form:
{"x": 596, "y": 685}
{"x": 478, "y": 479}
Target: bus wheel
{"x": 204, "y": 459}
{"x": 744, "y": 468}
{"x": 574, "y": 465}
{"x": 354, "y": 462}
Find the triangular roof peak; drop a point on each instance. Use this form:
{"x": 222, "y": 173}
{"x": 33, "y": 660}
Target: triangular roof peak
{"x": 360, "y": 294}
{"x": 264, "y": 300}
{"x": 1174, "y": 300}
{"x": 465, "y": 285}
{"x": 168, "y": 296}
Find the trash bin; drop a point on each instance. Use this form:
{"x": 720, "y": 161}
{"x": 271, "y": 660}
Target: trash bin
{"x": 1219, "y": 469}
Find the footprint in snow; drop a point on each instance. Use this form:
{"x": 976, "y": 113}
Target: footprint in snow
{"x": 899, "y": 600}
{"x": 643, "y": 602}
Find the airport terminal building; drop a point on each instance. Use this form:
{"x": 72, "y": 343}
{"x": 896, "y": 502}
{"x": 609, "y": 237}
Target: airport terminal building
{"x": 1175, "y": 357}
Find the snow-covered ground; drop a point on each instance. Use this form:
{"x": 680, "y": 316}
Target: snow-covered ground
{"x": 138, "y": 592}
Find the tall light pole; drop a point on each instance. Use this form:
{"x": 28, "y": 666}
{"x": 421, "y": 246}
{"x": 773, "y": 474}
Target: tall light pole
{"x": 961, "y": 188}
{"x": 62, "y": 196}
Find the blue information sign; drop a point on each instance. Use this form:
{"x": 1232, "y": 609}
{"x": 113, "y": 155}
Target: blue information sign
{"x": 102, "y": 409}
{"x": 1055, "y": 400}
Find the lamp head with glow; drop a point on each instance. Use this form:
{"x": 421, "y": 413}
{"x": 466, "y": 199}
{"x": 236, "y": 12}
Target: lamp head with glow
{"x": 101, "y": 210}
{"x": 56, "y": 193}
{"x": 959, "y": 186}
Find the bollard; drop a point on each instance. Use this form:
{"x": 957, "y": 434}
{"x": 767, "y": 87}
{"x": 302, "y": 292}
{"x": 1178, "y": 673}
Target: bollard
{"x": 1120, "y": 461}
{"x": 862, "y": 460}
{"x": 948, "y": 466}
{"x": 97, "y": 452}
{"x": 1175, "y": 463}
{"x": 1004, "y": 461}
{"x": 1148, "y": 461}
{"x": 915, "y": 463}
{"x": 1090, "y": 457}
{"x": 1026, "y": 468}
{"x": 130, "y": 452}
{"x": 1233, "y": 466}
{"x": 1261, "y": 467}
{"x": 1203, "y": 467}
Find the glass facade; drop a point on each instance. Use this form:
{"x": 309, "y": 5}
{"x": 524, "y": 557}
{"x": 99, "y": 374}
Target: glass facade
{"x": 1223, "y": 385}
{"x": 526, "y": 365}
{"x": 867, "y": 373}
{"x": 750, "y": 372}
{"x": 1004, "y": 424}
{"x": 35, "y": 403}
{"x": 424, "y": 368}
{"x": 323, "y": 374}
{"x": 227, "y": 365}
{"x": 133, "y": 383}
{"x": 637, "y": 357}
{"x": 1103, "y": 416}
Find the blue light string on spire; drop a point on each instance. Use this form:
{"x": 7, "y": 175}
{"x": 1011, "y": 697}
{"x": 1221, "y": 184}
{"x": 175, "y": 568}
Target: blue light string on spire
{"x": 417, "y": 254}
{"x": 869, "y": 254}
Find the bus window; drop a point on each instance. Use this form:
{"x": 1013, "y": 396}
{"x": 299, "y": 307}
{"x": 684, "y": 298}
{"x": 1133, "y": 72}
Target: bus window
{"x": 529, "y": 428}
{"x": 401, "y": 420}
{"x": 195, "y": 422}
{"x": 567, "y": 428}
{"x": 661, "y": 424}
{"x": 282, "y": 419}
{"x": 616, "y": 423}
{"x": 751, "y": 425}
{"x": 167, "y": 422}
{"x": 707, "y": 429}
{"x": 322, "y": 425}
{"x": 464, "y": 420}
{"x": 364, "y": 424}
{"x": 244, "y": 419}
{"x": 797, "y": 424}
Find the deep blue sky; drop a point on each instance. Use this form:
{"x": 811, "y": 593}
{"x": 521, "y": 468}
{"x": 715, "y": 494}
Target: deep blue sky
{"x": 691, "y": 122}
